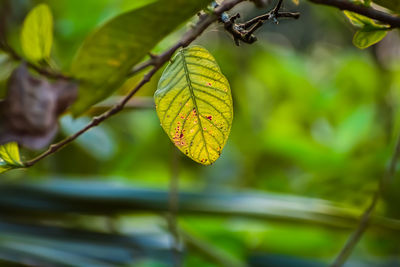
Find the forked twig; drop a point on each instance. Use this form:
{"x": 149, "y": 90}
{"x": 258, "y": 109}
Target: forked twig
{"x": 245, "y": 31}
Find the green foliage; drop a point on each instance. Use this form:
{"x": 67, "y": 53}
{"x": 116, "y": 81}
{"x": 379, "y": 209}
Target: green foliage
{"x": 370, "y": 32}
{"x": 315, "y": 121}
{"x": 9, "y": 157}
{"x": 365, "y": 38}
{"x": 367, "y": 2}
{"x": 357, "y": 19}
{"x": 106, "y": 57}
{"x": 194, "y": 104}
{"x": 37, "y": 34}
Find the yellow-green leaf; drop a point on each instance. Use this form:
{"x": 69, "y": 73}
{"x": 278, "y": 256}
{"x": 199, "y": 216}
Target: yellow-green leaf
{"x": 357, "y": 19}
{"x": 9, "y": 157}
{"x": 365, "y": 38}
{"x": 37, "y": 34}
{"x": 194, "y": 104}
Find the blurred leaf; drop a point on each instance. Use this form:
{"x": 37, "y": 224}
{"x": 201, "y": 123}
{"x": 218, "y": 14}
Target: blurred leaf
{"x": 107, "y": 56}
{"x": 357, "y": 19}
{"x": 354, "y": 128}
{"x": 370, "y": 32}
{"x": 31, "y": 108}
{"x": 37, "y": 34}
{"x": 9, "y": 157}
{"x": 362, "y": 21}
{"x": 365, "y": 38}
{"x": 367, "y": 2}
{"x": 194, "y": 104}
{"x": 6, "y": 66}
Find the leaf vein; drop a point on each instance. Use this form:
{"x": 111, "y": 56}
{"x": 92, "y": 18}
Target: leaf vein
{"x": 185, "y": 67}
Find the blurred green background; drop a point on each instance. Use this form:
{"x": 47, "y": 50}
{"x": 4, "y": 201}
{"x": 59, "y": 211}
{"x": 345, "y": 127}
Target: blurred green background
{"x": 315, "y": 124}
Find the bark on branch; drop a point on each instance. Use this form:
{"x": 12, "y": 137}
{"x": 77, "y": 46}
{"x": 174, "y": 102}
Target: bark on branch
{"x": 393, "y": 21}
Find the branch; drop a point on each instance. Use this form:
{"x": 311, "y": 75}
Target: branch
{"x": 366, "y": 217}
{"x": 145, "y": 102}
{"x": 393, "y": 21}
{"x": 157, "y": 62}
{"x": 245, "y": 31}
{"x": 4, "y": 46}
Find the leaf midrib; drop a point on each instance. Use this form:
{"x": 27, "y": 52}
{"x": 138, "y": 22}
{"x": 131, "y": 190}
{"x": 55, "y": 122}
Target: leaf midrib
{"x": 192, "y": 95}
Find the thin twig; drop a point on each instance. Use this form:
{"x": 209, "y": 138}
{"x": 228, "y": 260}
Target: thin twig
{"x": 49, "y": 73}
{"x": 138, "y": 68}
{"x": 145, "y": 102}
{"x": 244, "y": 32}
{"x": 272, "y": 14}
{"x": 159, "y": 61}
{"x": 393, "y": 21}
{"x": 141, "y": 67}
{"x": 366, "y": 217}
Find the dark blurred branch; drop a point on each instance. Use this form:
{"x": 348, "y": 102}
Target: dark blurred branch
{"x": 49, "y": 245}
{"x": 366, "y": 216}
{"x": 393, "y": 21}
{"x": 157, "y": 62}
{"x": 58, "y": 198}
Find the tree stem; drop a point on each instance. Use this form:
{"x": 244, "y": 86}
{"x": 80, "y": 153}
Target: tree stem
{"x": 393, "y": 21}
